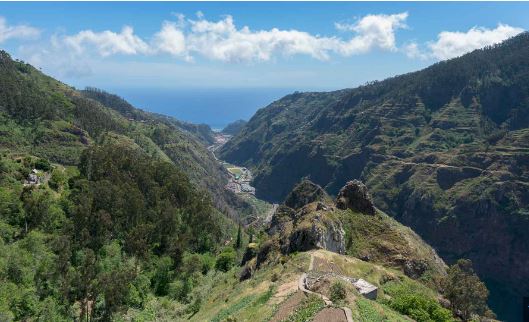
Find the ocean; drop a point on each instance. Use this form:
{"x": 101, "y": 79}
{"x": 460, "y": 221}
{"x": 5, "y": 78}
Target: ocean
{"x": 215, "y": 107}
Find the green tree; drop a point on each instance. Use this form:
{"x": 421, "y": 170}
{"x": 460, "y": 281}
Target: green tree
{"x": 162, "y": 276}
{"x": 225, "y": 260}
{"x": 43, "y": 164}
{"x": 238, "y": 241}
{"x": 467, "y": 294}
{"x": 57, "y": 180}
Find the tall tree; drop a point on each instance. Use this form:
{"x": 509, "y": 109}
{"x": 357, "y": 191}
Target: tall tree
{"x": 467, "y": 294}
{"x": 238, "y": 241}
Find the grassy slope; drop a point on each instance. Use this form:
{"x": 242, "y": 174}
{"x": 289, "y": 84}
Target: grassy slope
{"x": 259, "y": 298}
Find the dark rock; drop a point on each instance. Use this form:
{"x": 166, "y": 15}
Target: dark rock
{"x": 327, "y": 235}
{"x": 304, "y": 193}
{"x": 246, "y": 272}
{"x": 354, "y": 195}
{"x": 249, "y": 253}
{"x": 365, "y": 258}
{"x": 444, "y": 302}
{"x": 415, "y": 268}
{"x": 322, "y": 206}
{"x": 264, "y": 252}
{"x": 302, "y": 239}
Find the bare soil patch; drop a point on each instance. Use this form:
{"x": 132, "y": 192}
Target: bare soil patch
{"x": 324, "y": 265}
{"x": 330, "y": 314}
{"x": 288, "y": 306}
{"x": 284, "y": 290}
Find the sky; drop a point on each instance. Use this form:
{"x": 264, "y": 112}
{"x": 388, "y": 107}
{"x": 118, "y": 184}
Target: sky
{"x": 301, "y": 45}
{"x": 216, "y": 62}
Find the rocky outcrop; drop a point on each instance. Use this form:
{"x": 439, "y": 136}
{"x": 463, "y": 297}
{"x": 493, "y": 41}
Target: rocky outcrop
{"x": 249, "y": 253}
{"x": 280, "y": 219}
{"x": 304, "y": 193}
{"x": 354, "y": 195}
{"x": 317, "y": 233}
{"x": 356, "y": 229}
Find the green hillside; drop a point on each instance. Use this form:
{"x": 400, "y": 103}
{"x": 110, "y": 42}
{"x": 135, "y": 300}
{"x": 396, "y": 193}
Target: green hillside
{"x": 443, "y": 150}
{"x": 110, "y": 213}
{"x": 101, "y": 205}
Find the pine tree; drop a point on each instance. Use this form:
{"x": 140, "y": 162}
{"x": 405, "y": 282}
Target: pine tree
{"x": 238, "y": 241}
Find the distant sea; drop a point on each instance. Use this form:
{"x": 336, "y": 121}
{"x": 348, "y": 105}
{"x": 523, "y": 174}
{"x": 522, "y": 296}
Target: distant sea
{"x": 215, "y": 107}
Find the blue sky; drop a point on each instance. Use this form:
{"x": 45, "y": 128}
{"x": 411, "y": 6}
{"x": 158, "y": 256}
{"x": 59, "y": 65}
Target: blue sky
{"x": 295, "y": 45}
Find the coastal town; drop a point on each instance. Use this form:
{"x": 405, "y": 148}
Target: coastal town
{"x": 239, "y": 177}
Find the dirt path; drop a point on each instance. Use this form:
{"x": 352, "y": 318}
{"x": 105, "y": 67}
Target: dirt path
{"x": 287, "y": 307}
{"x": 330, "y": 314}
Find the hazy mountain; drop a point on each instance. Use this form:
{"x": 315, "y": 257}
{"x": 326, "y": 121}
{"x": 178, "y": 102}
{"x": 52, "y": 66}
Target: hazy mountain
{"x": 234, "y": 127}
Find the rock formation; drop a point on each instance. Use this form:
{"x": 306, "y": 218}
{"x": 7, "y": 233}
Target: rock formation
{"x": 354, "y": 195}
{"x": 304, "y": 193}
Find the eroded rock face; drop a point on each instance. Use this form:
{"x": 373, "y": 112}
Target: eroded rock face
{"x": 354, "y": 195}
{"x": 304, "y": 193}
{"x": 282, "y": 216}
{"x": 328, "y": 235}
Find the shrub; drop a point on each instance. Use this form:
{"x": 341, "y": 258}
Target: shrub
{"x": 43, "y": 164}
{"x": 179, "y": 289}
{"x": 338, "y": 291}
{"x": 58, "y": 178}
{"x": 162, "y": 276}
{"x": 225, "y": 260}
{"x": 420, "y": 308}
{"x": 194, "y": 307}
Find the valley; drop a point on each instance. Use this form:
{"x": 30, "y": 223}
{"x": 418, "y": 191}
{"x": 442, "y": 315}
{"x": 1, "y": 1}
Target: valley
{"x": 442, "y": 150}
{"x": 405, "y": 199}
{"x": 239, "y": 182}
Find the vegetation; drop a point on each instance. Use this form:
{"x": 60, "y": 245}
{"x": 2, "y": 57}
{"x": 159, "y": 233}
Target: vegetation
{"x": 125, "y": 227}
{"x": 307, "y": 310}
{"x": 225, "y": 260}
{"x": 432, "y": 146}
{"x": 467, "y": 294}
{"x": 120, "y": 220}
{"x": 338, "y": 291}
{"x": 421, "y": 307}
{"x": 234, "y": 127}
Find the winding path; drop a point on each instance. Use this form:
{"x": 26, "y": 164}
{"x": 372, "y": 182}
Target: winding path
{"x": 302, "y": 287}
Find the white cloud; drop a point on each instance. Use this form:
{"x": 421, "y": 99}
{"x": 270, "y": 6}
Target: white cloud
{"x": 16, "y": 32}
{"x": 222, "y": 40}
{"x": 450, "y": 44}
{"x": 413, "y": 50}
{"x": 373, "y": 31}
{"x": 170, "y": 39}
{"x": 108, "y": 43}
{"x": 453, "y": 44}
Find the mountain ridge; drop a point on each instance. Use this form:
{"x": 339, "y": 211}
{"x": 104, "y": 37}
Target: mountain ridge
{"x": 443, "y": 150}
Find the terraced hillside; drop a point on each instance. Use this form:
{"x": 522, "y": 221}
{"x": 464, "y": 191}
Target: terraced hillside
{"x": 443, "y": 150}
